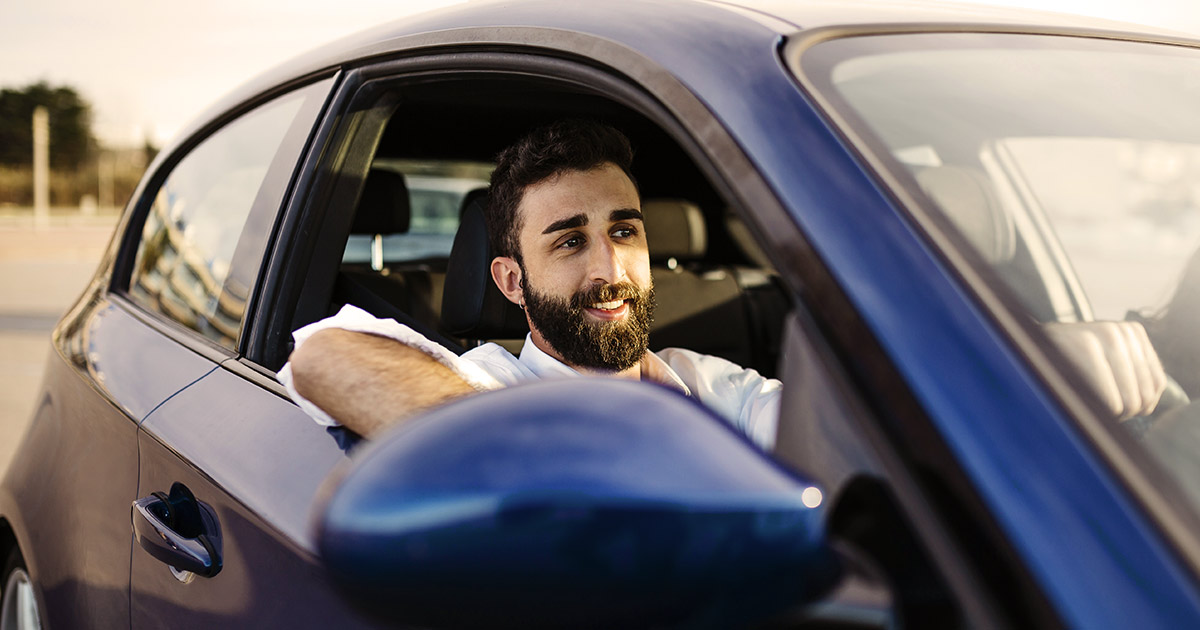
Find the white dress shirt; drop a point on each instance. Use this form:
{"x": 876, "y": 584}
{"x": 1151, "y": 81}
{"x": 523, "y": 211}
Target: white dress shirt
{"x": 743, "y": 397}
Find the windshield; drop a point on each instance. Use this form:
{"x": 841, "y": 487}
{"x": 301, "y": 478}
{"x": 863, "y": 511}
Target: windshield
{"x": 1070, "y": 168}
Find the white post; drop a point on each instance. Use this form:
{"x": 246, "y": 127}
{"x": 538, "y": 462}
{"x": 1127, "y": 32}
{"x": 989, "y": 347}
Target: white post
{"x": 107, "y": 174}
{"x": 41, "y": 166}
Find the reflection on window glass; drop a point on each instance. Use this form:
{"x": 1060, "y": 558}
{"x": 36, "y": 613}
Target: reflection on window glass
{"x": 194, "y": 224}
{"x": 1072, "y": 167}
{"x": 1124, "y": 209}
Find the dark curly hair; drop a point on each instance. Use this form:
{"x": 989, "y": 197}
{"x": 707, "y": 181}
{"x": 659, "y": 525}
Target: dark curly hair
{"x": 568, "y": 145}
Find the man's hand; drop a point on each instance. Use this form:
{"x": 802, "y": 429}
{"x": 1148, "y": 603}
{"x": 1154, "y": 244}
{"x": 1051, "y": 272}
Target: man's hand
{"x": 368, "y": 382}
{"x": 1119, "y": 361}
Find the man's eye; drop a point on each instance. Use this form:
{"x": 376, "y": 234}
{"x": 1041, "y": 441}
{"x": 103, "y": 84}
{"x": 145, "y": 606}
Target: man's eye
{"x": 625, "y": 232}
{"x": 572, "y": 243}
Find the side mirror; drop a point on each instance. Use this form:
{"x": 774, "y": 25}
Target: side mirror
{"x": 578, "y": 503}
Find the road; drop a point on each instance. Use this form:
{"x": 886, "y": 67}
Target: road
{"x": 42, "y": 270}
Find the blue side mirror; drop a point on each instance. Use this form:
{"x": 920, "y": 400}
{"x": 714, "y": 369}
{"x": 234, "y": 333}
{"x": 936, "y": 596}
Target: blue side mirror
{"x": 576, "y": 503}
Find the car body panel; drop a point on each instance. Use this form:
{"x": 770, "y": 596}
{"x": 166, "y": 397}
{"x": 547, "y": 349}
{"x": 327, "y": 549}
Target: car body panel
{"x": 253, "y": 444}
{"x": 951, "y": 390}
{"x": 118, "y": 342}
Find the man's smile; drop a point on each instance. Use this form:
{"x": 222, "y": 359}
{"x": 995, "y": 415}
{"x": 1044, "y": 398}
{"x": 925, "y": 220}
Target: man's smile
{"x": 608, "y": 311}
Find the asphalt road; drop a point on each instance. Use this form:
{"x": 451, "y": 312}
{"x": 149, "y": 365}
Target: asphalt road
{"x": 42, "y": 270}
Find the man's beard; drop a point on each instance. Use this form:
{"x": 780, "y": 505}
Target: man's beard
{"x": 589, "y": 343}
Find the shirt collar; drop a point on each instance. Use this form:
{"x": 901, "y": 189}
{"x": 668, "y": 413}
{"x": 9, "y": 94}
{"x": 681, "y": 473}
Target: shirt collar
{"x": 654, "y": 369}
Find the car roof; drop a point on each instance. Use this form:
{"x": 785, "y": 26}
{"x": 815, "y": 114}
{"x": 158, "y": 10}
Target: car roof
{"x": 785, "y": 17}
{"x": 812, "y": 14}
{"x": 654, "y": 25}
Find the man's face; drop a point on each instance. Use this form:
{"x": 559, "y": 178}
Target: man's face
{"x": 585, "y": 278}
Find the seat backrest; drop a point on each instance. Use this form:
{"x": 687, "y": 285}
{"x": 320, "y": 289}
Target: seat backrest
{"x": 387, "y": 290}
{"x": 472, "y": 305}
{"x": 699, "y": 305}
{"x": 474, "y": 195}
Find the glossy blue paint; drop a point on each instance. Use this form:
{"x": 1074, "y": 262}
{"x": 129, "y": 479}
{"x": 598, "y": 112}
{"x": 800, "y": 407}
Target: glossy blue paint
{"x": 548, "y": 503}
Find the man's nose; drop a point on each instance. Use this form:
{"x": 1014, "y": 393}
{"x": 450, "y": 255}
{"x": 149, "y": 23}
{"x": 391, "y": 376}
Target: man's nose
{"x": 606, "y": 264}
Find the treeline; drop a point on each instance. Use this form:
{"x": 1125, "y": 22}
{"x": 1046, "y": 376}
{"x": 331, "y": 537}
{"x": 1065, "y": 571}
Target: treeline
{"x": 80, "y": 168}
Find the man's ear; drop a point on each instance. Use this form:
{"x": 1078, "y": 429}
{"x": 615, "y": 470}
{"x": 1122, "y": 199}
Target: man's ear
{"x": 507, "y": 275}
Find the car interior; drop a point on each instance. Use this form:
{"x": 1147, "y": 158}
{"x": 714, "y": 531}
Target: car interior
{"x": 716, "y": 292}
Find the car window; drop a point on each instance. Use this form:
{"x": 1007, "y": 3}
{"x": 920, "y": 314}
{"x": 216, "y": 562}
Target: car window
{"x": 195, "y": 227}
{"x": 1082, "y": 199}
{"x": 436, "y": 190}
{"x": 425, "y": 151}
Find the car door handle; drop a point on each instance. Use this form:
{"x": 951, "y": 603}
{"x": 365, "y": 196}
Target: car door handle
{"x": 178, "y": 530}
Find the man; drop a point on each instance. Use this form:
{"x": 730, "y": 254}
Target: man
{"x": 564, "y": 217}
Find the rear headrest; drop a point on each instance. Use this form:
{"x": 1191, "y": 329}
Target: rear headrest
{"x": 472, "y": 305}
{"x": 674, "y": 229}
{"x": 968, "y": 199}
{"x": 383, "y": 206}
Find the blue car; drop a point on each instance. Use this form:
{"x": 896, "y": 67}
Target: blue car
{"x": 964, "y": 239}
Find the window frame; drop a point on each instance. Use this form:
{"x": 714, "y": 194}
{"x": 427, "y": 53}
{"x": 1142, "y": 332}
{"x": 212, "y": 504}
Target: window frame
{"x": 348, "y": 156}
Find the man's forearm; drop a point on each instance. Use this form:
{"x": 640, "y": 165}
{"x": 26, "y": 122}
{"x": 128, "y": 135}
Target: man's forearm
{"x": 369, "y": 383}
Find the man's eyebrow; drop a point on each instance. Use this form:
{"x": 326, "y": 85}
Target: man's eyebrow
{"x": 578, "y": 220}
{"x": 625, "y": 214}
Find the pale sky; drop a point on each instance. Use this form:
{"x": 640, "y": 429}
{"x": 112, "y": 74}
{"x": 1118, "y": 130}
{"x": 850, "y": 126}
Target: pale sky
{"x": 150, "y": 66}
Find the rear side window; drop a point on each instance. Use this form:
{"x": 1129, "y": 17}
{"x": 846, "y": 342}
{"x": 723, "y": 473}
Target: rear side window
{"x": 214, "y": 212}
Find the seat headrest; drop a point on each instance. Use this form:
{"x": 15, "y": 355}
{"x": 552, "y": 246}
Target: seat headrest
{"x": 475, "y": 195}
{"x": 969, "y": 200}
{"x": 383, "y": 207}
{"x": 674, "y": 229}
{"x": 472, "y": 305}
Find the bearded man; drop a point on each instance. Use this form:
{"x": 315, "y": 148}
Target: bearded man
{"x": 564, "y": 218}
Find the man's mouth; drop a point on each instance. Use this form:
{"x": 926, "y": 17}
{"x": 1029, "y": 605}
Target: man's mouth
{"x": 613, "y": 310}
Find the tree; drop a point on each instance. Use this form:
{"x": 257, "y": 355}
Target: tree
{"x": 71, "y": 141}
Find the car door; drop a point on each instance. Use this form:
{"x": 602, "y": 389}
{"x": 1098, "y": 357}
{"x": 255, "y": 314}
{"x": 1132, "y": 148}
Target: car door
{"x": 227, "y": 461}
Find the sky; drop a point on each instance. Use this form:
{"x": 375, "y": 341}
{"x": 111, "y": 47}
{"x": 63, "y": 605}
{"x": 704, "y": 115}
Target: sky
{"x": 149, "y": 66}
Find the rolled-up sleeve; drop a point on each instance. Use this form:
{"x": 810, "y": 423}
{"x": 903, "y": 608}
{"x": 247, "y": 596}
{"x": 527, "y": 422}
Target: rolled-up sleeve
{"x": 743, "y": 397}
{"x": 354, "y": 319}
